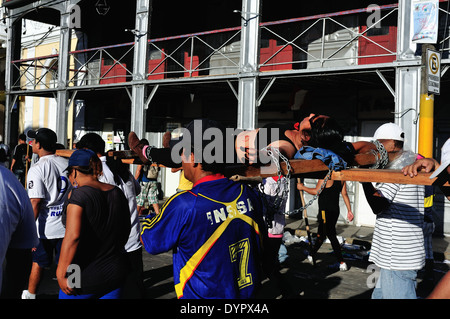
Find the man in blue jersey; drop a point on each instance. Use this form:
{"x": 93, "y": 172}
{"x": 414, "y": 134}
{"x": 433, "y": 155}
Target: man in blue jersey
{"x": 216, "y": 229}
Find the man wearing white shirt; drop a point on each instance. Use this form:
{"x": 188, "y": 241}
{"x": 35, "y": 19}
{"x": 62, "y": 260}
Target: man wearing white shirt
{"x": 48, "y": 188}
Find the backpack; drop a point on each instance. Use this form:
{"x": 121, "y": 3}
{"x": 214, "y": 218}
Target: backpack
{"x": 152, "y": 172}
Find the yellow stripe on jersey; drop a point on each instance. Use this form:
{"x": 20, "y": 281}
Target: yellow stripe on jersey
{"x": 149, "y": 222}
{"x": 429, "y": 201}
{"x": 191, "y": 265}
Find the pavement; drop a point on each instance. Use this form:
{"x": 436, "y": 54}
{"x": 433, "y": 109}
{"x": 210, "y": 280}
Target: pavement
{"x": 298, "y": 279}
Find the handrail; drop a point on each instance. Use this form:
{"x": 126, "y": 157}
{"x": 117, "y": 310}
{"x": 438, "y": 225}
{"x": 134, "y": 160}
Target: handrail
{"x": 187, "y": 35}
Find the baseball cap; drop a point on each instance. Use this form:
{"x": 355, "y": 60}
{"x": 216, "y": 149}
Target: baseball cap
{"x": 81, "y": 157}
{"x": 389, "y": 131}
{"x": 445, "y": 159}
{"x": 45, "y": 136}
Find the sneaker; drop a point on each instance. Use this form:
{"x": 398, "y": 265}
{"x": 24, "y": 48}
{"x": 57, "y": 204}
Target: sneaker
{"x": 27, "y": 295}
{"x": 343, "y": 267}
{"x": 137, "y": 146}
{"x": 310, "y": 259}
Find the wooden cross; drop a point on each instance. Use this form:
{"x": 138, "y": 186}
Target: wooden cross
{"x": 307, "y": 169}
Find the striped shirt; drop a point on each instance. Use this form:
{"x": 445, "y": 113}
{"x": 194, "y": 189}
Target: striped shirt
{"x": 398, "y": 242}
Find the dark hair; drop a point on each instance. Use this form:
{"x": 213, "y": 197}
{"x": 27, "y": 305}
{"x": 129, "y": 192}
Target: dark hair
{"x": 95, "y": 143}
{"x": 118, "y": 168}
{"x": 94, "y": 168}
{"x": 22, "y": 137}
{"x": 92, "y": 141}
{"x": 325, "y": 133}
{"x": 215, "y": 167}
{"x": 398, "y": 144}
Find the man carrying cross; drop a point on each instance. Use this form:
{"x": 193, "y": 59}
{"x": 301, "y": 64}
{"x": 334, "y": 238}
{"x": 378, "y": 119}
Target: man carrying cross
{"x": 442, "y": 172}
{"x": 398, "y": 244}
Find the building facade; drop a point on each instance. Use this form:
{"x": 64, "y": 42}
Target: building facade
{"x": 149, "y": 66}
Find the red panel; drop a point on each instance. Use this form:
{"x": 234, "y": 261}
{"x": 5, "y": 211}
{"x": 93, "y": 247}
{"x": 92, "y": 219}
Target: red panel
{"x": 113, "y": 74}
{"x": 187, "y": 64}
{"x": 157, "y": 66}
{"x": 366, "y": 47}
{"x": 284, "y": 56}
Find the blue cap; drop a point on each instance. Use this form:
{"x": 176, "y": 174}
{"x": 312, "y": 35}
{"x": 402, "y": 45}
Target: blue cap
{"x": 81, "y": 157}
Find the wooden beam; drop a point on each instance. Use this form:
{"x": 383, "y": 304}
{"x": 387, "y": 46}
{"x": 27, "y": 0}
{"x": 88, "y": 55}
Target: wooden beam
{"x": 307, "y": 169}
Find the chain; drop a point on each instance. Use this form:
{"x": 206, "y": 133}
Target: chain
{"x": 295, "y": 211}
{"x": 382, "y": 157}
{"x": 271, "y": 152}
{"x": 274, "y": 153}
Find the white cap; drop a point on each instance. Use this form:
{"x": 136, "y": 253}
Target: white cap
{"x": 389, "y": 131}
{"x": 445, "y": 159}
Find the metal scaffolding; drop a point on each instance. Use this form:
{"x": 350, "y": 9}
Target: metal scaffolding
{"x": 320, "y": 44}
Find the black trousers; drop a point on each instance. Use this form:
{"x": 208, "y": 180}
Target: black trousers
{"x": 327, "y": 228}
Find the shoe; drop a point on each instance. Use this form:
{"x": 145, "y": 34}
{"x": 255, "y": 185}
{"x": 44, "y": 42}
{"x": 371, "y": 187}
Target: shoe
{"x": 137, "y": 146}
{"x": 310, "y": 259}
{"x": 166, "y": 139}
{"x": 343, "y": 267}
{"x": 27, "y": 295}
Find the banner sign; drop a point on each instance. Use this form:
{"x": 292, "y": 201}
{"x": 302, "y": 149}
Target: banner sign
{"x": 425, "y": 16}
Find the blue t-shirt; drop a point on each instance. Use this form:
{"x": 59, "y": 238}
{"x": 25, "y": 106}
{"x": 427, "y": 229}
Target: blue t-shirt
{"x": 216, "y": 232}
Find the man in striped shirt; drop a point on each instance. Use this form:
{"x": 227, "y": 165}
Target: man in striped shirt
{"x": 442, "y": 172}
{"x": 398, "y": 243}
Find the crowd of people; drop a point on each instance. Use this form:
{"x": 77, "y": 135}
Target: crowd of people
{"x": 92, "y": 216}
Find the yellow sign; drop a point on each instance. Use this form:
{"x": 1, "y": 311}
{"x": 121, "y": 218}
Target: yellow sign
{"x": 433, "y": 71}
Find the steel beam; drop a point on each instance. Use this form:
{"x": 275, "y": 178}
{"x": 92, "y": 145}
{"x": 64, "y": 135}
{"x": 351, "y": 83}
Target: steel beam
{"x": 62, "y": 98}
{"x": 13, "y": 31}
{"x": 138, "y": 107}
{"x": 248, "y": 81}
{"x": 407, "y": 91}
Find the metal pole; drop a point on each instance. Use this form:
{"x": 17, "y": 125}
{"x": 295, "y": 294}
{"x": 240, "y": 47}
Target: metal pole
{"x": 407, "y": 88}
{"x": 13, "y": 52}
{"x": 63, "y": 76}
{"x": 248, "y": 81}
{"x": 138, "y": 109}
{"x": 11, "y": 31}
{"x": 426, "y": 115}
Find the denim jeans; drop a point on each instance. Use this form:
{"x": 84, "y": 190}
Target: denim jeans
{"x": 20, "y": 175}
{"x": 396, "y": 284}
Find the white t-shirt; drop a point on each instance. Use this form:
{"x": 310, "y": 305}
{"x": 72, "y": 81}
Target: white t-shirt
{"x": 48, "y": 180}
{"x": 274, "y": 191}
{"x": 130, "y": 188}
{"x": 18, "y": 229}
{"x": 398, "y": 242}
